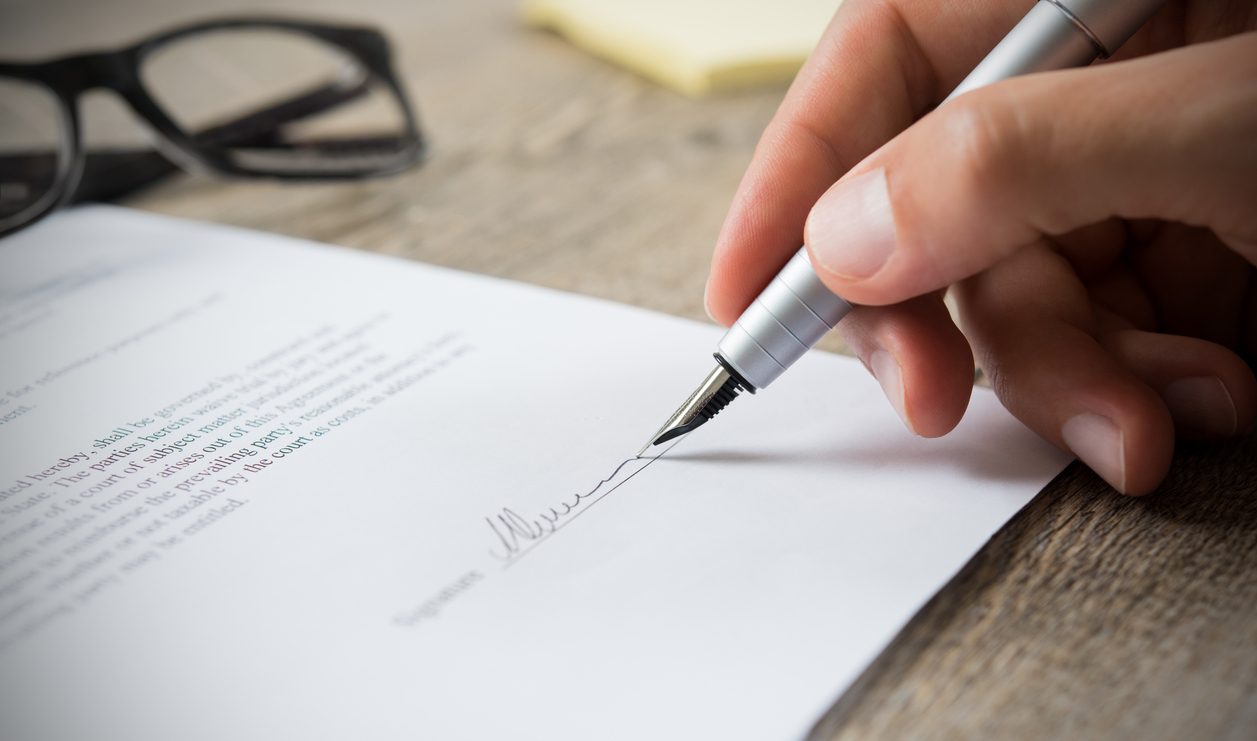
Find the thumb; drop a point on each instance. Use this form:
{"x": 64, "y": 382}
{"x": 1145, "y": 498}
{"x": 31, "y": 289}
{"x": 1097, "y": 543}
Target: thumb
{"x": 1168, "y": 136}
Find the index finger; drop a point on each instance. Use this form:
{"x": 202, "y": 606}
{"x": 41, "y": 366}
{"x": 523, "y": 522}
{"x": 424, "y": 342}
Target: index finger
{"x": 879, "y": 66}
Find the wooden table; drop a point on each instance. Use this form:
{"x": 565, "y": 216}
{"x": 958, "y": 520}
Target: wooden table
{"x": 1090, "y": 614}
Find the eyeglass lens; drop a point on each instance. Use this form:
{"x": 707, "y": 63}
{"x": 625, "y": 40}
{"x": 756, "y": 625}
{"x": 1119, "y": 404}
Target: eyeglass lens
{"x": 335, "y": 113}
{"x": 32, "y": 149}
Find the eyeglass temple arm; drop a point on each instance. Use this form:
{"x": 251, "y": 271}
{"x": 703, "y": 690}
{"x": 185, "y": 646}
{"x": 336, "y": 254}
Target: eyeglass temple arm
{"x": 112, "y": 174}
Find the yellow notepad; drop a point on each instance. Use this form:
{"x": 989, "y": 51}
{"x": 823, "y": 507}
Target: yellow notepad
{"x": 693, "y": 46}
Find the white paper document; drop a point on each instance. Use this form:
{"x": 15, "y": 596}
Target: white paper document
{"x": 256, "y": 488}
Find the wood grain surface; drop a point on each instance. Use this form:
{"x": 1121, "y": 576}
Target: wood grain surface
{"x": 1089, "y": 615}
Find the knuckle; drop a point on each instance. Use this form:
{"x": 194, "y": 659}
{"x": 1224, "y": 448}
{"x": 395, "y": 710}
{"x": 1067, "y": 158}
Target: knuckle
{"x": 997, "y": 375}
{"x": 985, "y": 133}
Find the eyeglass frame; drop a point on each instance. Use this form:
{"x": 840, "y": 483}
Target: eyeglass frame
{"x": 118, "y": 70}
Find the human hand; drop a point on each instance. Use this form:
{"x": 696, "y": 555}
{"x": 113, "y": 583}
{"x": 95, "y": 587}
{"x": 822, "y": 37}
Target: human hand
{"x": 1098, "y": 227}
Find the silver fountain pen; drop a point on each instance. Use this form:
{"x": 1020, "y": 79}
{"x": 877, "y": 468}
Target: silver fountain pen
{"x": 796, "y": 309}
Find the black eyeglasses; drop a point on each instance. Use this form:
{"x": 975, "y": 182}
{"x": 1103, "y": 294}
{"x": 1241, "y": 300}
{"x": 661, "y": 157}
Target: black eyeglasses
{"x": 240, "y": 97}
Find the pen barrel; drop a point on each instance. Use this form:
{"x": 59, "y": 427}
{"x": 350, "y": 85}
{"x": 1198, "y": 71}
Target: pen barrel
{"x": 787, "y": 318}
{"x": 1046, "y": 38}
{"x": 1059, "y": 34}
{"x": 1110, "y": 23}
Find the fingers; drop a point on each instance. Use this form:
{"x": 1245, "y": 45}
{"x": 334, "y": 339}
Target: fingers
{"x": 878, "y": 67}
{"x": 1208, "y": 390}
{"x": 999, "y": 168}
{"x": 1197, "y": 283}
{"x": 919, "y": 357}
{"x": 1030, "y": 324}
{"x": 1066, "y": 364}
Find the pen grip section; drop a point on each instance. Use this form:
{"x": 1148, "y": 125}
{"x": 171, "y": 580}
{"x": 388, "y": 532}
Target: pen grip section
{"x": 789, "y": 317}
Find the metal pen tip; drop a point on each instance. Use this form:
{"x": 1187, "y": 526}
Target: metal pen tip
{"x": 713, "y": 394}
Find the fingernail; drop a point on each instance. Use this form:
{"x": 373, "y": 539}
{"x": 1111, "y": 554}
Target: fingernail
{"x": 886, "y": 370}
{"x": 851, "y": 229}
{"x": 1097, "y": 441}
{"x": 1202, "y": 404}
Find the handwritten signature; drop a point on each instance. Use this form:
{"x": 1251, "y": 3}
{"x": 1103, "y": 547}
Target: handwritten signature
{"x": 516, "y": 534}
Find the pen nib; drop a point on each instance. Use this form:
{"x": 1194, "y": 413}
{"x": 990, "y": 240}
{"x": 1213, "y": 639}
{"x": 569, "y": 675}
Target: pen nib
{"x": 712, "y": 395}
